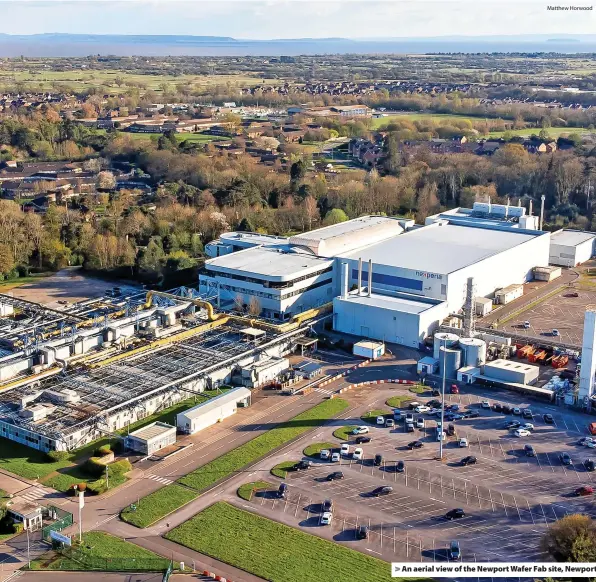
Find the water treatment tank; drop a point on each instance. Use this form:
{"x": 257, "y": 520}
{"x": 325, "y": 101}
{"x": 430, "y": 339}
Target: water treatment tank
{"x": 443, "y": 339}
{"x": 451, "y": 360}
{"x": 473, "y": 351}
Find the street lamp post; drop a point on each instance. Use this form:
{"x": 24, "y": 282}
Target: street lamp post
{"x": 443, "y": 400}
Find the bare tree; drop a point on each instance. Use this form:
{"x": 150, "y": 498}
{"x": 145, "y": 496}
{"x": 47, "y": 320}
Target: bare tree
{"x": 254, "y": 306}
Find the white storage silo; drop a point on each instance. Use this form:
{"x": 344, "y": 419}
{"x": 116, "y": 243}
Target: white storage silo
{"x": 450, "y": 359}
{"x": 443, "y": 339}
{"x": 473, "y": 351}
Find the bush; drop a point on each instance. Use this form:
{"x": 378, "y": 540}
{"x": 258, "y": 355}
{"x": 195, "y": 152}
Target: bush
{"x": 94, "y": 466}
{"x": 120, "y": 467}
{"x": 103, "y": 451}
{"x": 72, "y": 490}
{"x": 17, "y": 528}
{"x": 54, "y": 456}
{"x": 97, "y": 487}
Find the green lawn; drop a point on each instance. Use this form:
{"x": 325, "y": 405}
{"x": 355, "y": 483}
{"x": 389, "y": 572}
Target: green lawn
{"x": 150, "y": 511}
{"x": 344, "y": 433}
{"x": 14, "y": 283}
{"x": 69, "y": 476}
{"x": 371, "y": 415}
{"x": 398, "y": 401}
{"x": 101, "y": 551}
{"x": 418, "y": 389}
{"x": 281, "y": 470}
{"x": 274, "y": 551}
{"x": 314, "y": 449}
{"x": 554, "y": 132}
{"x": 441, "y": 117}
{"x": 25, "y": 461}
{"x": 247, "y": 490}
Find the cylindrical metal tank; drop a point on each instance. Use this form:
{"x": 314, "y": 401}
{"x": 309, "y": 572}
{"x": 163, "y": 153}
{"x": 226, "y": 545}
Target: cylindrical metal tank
{"x": 473, "y": 351}
{"x": 443, "y": 339}
{"x": 450, "y": 359}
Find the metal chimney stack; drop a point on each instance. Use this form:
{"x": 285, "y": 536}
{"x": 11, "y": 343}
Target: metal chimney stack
{"x": 369, "y": 277}
{"x": 359, "y": 275}
{"x": 541, "y": 211}
{"x": 530, "y": 210}
{"x": 344, "y": 280}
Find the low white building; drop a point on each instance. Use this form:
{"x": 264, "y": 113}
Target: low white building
{"x": 151, "y": 438}
{"x": 213, "y": 411}
{"x": 569, "y": 248}
{"x": 264, "y": 372}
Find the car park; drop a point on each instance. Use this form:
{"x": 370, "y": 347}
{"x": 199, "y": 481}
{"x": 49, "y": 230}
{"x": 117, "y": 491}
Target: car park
{"x": 463, "y": 443}
{"x": 589, "y": 465}
{"x": 420, "y": 422}
{"x": 362, "y": 532}
{"x": 335, "y": 457}
{"x": 389, "y": 423}
{"x": 358, "y": 454}
{"x": 455, "y": 513}
{"x": 529, "y": 451}
{"x": 382, "y": 491}
{"x": 421, "y": 409}
{"x": 400, "y": 466}
{"x": 361, "y": 430}
{"x": 282, "y": 491}
{"x": 548, "y": 418}
{"x": 415, "y": 445}
{"x": 454, "y": 552}
{"x": 381, "y": 420}
{"x": 485, "y": 404}
{"x": 469, "y": 461}
{"x": 378, "y": 460}
{"x": 325, "y": 454}
{"x": 326, "y": 518}
{"x": 584, "y": 490}
{"x": 335, "y": 476}
{"x": 345, "y": 449}
{"x": 303, "y": 465}
{"x": 527, "y": 413}
{"x": 522, "y": 432}
{"x": 527, "y": 426}
{"x": 362, "y": 439}
{"x": 565, "y": 459}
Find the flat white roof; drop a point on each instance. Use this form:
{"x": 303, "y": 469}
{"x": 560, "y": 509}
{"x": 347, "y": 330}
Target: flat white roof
{"x": 403, "y": 303}
{"x": 268, "y": 264}
{"x": 368, "y": 344}
{"x": 571, "y": 238}
{"x": 510, "y": 365}
{"x": 152, "y": 430}
{"x": 442, "y": 249}
{"x": 252, "y": 238}
{"x": 214, "y": 403}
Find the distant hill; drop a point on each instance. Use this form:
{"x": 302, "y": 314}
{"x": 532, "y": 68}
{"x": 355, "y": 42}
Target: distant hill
{"x": 65, "y": 45}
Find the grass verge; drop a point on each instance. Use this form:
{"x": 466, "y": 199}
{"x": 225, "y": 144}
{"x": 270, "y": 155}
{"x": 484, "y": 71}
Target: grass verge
{"x": 418, "y": 389}
{"x": 344, "y": 433}
{"x": 101, "y": 551}
{"x": 237, "y": 458}
{"x": 398, "y": 401}
{"x": 282, "y": 469}
{"x": 371, "y": 415}
{"x": 314, "y": 449}
{"x": 247, "y": 490}
{"x": 257, "y": 548}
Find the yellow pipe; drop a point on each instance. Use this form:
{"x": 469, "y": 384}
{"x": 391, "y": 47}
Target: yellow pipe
{"x": 45, "y": 374}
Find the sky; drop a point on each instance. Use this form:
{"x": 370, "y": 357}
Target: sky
{"x": 258, "y": 19}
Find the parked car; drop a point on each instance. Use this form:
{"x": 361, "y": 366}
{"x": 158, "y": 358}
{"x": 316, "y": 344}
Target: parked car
{"x": 326, "y": 518}
{"x": 584, "y": 490}
{"x": 335, "y": 476}
{"x": 345, "y": 449}
{"x": 451, "y": 429}
{"x": 382, "y": 491}
{"x": 325, "y": 454}
{"x": 455, "y": 513}
{"x": 529, "y": 450}
{"x": 303, "y": 465}
{"x": 527, "y": 426}
{"x": 471, "y": 414}
{"x": 454, "y": 551}
{"x": 506, "y": 409}
{"x": 327, "y": 505}
{"x": 589, "y": 464}
{"x": 389, "y": 423}
{"x": 413, "y": 404}
{"x": 397, "y": 414}
{"x": 409, "y": 417}
{"x": 565, "y": 459}
{"x": 420, "y": 422}
{"x": 555, "y": 333}
{"x": 362, "y": 439}
{"x": 378, "y": 460}
{"x": 522, "y": 432}
{"x": 381, "y": 420}
{"x": 422, "y": 409}
{"x": 469, "y": 461}
{"x": 434, "y": 403}
{"x": 527, "y": 413}
{"x": 362, "y": 532}
{"x": 409, "y": 427}
{"x": 548, "y": 418}
{"x": 517, "y": 411}
{"x": 361, "y": 430}
{"x": 463, "y": 443}
{"x": 441, "y": 436}
{"x": 358, "y": 454}
{"x": 415, "y": 445}
{"x": 335, "y": 457}
{"x": 400, "y": 466}
{"x": 485, "y": 404}
{"x": 454, "y": 389}
{"x": 436, "y": 392}
{"x": 513, "y": 424}
{"x": 497, "y": 407}
{"x": 282, "y": 491}
{"x": 584, "y": 441}
{"x": 526, "y": 325}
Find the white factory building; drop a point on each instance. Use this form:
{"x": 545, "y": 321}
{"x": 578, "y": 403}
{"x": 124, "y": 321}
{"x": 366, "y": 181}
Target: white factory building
{"x": 570, "y": 248}
{"x": 388, "y": 278}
